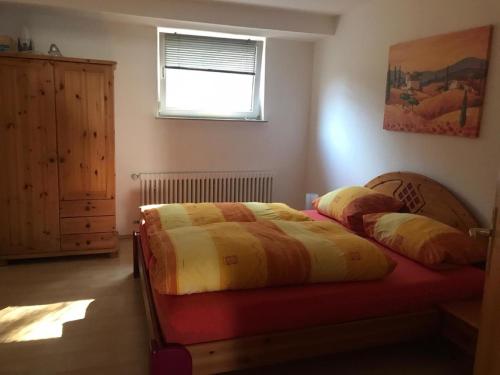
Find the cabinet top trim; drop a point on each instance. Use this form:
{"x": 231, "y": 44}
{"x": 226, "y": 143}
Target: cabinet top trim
{"x": 55, "y": 58}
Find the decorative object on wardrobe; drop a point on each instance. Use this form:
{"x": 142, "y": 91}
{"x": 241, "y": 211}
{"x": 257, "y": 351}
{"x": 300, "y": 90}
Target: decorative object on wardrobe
{"x": 25, "y": 43}
{"x": 54, "y": 50}
{"x": 6, "y": 43}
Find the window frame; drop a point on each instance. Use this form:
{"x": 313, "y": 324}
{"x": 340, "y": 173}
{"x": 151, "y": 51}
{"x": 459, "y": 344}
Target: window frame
{"x": 257, "y": 113}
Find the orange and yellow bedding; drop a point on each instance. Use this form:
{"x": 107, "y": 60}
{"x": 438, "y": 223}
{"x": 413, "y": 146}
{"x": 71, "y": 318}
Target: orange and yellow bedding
{"x": 411, "y": 287}
{"x": 171, "y": 216}
{"x": 266, "y": 253}
{"x": 423, "y": 239}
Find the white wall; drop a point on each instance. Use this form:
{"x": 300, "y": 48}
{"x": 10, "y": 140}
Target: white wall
{"x": 144, "y": 143}
{"x": 215, "y": 13}
{"x": 347, "y": 143}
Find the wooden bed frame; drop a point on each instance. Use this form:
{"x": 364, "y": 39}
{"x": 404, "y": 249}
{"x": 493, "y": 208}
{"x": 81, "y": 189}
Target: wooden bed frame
{"x": 425, "y": 196}
{"x": 421, "y": 194}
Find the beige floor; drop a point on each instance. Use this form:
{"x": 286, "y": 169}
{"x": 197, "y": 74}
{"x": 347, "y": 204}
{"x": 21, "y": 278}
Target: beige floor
{"x": 111, "y": 338}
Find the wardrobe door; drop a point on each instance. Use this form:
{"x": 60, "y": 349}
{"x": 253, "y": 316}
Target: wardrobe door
{"x": 29, "y": 200}
{"x": 85, "y": 130}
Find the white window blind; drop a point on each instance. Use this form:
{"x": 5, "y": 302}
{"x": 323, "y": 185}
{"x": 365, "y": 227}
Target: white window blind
{"x": 194, "y": 52}
{"x": 210, "y": 76}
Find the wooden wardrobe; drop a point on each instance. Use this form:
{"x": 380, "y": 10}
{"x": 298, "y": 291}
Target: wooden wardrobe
{"x": 57, "y": 187}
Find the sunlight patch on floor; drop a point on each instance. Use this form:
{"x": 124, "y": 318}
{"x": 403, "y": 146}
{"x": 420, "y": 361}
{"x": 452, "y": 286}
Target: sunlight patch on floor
{"x": 38, "y": 322}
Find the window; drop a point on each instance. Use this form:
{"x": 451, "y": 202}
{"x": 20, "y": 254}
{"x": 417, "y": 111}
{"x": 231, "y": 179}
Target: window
{"x": 210, "y": 75}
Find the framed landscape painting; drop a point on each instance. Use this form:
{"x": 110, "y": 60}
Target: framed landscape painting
{"x": 436, "y": 85}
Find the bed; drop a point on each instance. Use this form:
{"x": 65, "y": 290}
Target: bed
{"x": 222, "y": 331}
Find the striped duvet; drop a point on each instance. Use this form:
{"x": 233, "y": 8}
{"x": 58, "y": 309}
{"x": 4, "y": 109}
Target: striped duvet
{"x": 171, "y": 216}
{"x": 255, "y": 254}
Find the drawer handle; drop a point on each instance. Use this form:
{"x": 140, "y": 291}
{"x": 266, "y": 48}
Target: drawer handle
{"x": 87, "y": 208}
{"x": 87, "y": 225}
{"x": 88, "y": 242}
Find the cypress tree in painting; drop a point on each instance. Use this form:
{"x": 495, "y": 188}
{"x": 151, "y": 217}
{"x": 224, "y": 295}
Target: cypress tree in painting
{"x": 388, "y": 85}
{"x": 412, "y": 101}
{"x": 463, "y": 111}
{"x": 446, "y": 81}
{"x": 482, "y": 77}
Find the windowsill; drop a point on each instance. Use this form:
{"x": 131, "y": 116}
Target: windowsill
{"x": 161, "y": 117}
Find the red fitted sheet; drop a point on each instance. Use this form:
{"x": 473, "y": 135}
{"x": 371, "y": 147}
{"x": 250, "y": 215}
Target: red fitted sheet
{"x": 215, "y": 316}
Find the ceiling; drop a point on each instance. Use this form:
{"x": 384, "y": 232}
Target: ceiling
{"x": 317, "y": 6}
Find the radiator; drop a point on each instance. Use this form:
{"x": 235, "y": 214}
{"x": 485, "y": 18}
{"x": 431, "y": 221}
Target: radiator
{"x": 194, "y": 187}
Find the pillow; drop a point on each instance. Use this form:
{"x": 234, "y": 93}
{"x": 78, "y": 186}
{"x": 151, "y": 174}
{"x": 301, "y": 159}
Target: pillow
{"x": 423, "y": 239}
{"x": 349, "y": 204}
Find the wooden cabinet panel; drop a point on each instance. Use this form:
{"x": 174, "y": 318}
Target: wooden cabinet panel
{"x": 29, "y": 220}
{"x": 57, "y": 151}
{"x": 91, "y": 224}
{"x": 88, "y": 208}
{"x": 93, "y": 241}
{"x": 85, "y": 132}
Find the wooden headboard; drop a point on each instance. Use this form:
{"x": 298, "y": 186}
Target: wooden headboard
{"x": 426, "y": 197}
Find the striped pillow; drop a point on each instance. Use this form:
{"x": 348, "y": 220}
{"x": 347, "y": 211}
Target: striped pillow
{"x": 349, "y": 204}
{"x": 423, "y": 239}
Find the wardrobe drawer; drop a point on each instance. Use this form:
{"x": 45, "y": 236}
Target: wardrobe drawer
{"x": 91, "y": 241}
{"x": 90, "y": 224}
{"x": 98, "y": 207}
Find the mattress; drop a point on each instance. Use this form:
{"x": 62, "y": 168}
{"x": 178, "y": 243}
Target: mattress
{"x": 204, "y": 317}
